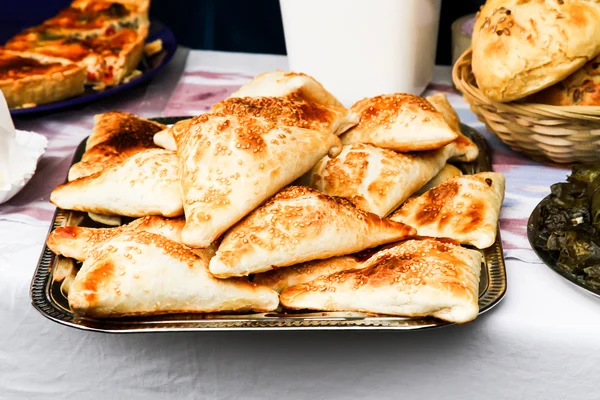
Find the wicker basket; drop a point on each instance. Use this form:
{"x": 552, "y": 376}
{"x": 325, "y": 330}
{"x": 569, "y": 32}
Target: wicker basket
{"x": 562, "y": 134}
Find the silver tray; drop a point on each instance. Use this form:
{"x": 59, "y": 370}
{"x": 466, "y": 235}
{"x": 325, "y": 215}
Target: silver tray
{"x": 48, "y": 299}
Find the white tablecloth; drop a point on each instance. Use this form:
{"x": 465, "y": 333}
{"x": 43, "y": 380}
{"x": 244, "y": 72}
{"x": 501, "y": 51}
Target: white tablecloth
{"x": 541, "y": 342}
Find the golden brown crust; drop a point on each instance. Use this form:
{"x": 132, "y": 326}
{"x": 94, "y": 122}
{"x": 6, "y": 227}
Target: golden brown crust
{"x": 414, "y": 278}
{"x": 582, "y": 88}
{"x": 27, "y": 81}
{"x": 374, "y": 179}
{"x": 292, "y": 85}
{"x": 141, "y": 273}
{"x": 465, "y": 208}
{"x": 129, "y": 188}
{"x": 229, "y": 165}
{"x": 523, "y": 46}
{"x": 115, "y": 137}
{"x": 300, "y": 224}
{"x": 286, "y": 112}
{"x": 464, "y": 149}
{"x": 76, "y": 241}
{"x": 282, "y": 278}
{"x": 400, "y": 122}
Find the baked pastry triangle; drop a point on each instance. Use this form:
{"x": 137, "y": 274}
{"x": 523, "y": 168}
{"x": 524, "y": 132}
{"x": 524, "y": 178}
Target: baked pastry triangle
{"x": 115, "y": 137}
{"x": 400, "y": 122}
{"x": 286, "y": 112}
{"x": 147, "y": 183}
{"x": 293, "y": 85}
{"x": 465, "y": 208}
{"x": 166, "y": 137}
{"x": 282, "y": 278}
{"x": 464, "y": 149}
{"x": 141, "y": 273}
{"x": 416, "y": 278}
{"x": 300, "y": 224}
{"x": 375, "y": 179}
{"x": 278, "y": 110}
{"x": 77, "y": 241}
{"x": 230, "y": 165}
{"x": 449, "y": 171}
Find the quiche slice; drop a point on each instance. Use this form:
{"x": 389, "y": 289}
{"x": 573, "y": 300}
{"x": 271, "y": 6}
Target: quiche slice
{"x": 107, "y": 59}
{"x": 91, "y": 18}
{"x": 28, "y": 81}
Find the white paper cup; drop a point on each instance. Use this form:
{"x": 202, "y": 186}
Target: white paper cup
{"x": 363, "y": 48}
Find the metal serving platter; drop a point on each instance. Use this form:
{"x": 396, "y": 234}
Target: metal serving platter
{"x": 48, "y": 299}
{"x": 549, "y": 258}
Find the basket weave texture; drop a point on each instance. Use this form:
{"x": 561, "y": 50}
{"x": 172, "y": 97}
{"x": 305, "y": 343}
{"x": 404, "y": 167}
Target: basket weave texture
{"x": 561, "y": 134}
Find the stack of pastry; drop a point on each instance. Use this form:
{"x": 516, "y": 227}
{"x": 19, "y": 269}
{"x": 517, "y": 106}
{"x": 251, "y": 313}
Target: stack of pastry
{"x": 544, "y": 51}
{"x": 92, "y": 42}
{"x": 280, "y": 198}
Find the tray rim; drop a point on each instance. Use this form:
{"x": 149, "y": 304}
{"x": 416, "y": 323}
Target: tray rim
{"x": 545, "y": 256}
{"x": 41, "y": 297}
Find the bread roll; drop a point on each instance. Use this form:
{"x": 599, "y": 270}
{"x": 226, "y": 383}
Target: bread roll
{"x": 582, "y": 88}
{"x": 523, "y": 46}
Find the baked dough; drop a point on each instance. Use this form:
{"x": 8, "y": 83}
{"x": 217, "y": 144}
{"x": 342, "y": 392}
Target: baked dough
{"x": 416, "y": 278}
{"x": 147, "y": 183}
{"x": 282, "y": 278}
{"x": 230, "y": 165}
{"x": 400, "y": 122}
{"x": 141, "y": 273}
{"x": 521, "y": 47}
{"x": 465, "y": 208}
{"x": 293, "y": 85}
{"x": 581, "y": 88}
{"x": 374, "y": 179}
{"x": 115, "y": 137}
{"x": 449, "y": 171}
{"x": 286, "y": 112}
{"x": 463, "y": 148}
{"x": 27, "y": 81}
{"x": 166, "y": 137}
{"x": 77, "y": 241}
{"x": 110, "y": 220}
{"x": 278, "y": 110}
{"x": 300, "y": 224}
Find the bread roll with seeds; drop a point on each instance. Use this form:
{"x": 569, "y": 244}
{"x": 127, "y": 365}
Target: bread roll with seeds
{"x": 523, "y": 46}
{"x": 581, "y": 88}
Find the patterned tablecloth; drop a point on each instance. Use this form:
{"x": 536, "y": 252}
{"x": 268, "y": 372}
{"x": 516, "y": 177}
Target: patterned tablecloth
{"x": 544, "y": 331}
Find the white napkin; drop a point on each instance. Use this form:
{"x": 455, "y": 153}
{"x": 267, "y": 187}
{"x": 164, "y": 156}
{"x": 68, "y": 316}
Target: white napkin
{"x": 19, "y": 154}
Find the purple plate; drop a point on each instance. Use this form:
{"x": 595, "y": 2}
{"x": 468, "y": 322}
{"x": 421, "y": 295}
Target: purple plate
{"x": 149, "y": 66}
